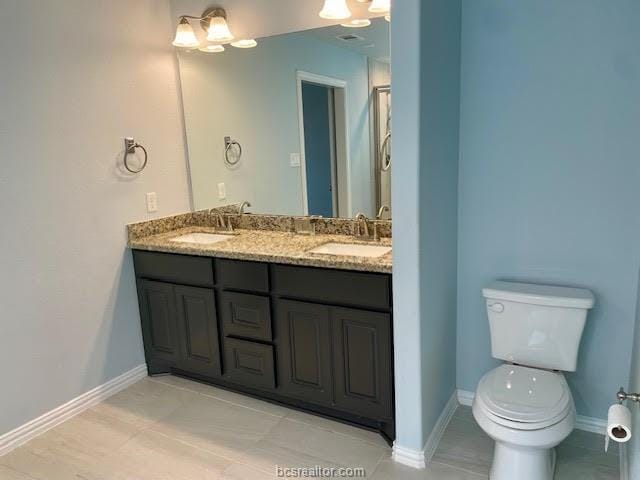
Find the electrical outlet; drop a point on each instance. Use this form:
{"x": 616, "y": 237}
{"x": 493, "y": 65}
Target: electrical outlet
{"x": 222, "y": 191}
{"x": 294, "y": 159}
{"x": 152, "y": 202}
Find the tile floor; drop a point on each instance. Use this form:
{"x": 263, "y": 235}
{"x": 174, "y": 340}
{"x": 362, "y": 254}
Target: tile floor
{"x": 169, "y": 428}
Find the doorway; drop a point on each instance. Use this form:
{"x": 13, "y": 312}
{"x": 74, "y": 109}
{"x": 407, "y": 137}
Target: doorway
{"x": 323, "y": 140}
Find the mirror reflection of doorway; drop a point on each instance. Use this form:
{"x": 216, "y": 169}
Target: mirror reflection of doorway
{"x": 319, "y": 145}
{"x": 324, "y": 145}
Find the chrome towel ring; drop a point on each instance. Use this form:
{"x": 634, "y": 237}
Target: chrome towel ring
{"x": 130, "y": 146}
{"x": 228, "y": 146}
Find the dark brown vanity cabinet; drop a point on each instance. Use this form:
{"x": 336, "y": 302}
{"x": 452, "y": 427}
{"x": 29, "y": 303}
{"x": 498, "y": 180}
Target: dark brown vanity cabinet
{"x": 312, "y": 338}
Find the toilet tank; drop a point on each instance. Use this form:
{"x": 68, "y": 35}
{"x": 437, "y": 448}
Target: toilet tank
{"x": 537, "y": 325}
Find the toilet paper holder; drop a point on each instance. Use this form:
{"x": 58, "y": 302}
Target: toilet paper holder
{"x": 622, "y": 396}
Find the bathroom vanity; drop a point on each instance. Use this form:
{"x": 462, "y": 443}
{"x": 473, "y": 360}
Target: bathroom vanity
{"x": 309, "y": 331}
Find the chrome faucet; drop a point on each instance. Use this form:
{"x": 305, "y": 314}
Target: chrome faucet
{"x": 383, "y": 209}
{"x": 242, "y": 206}
{"x": 362, "y": 226}
{"x": 220, "y": 222}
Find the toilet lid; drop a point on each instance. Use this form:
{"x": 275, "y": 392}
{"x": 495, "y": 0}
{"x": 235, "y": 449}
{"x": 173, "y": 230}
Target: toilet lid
{"x": 526, "y": 395}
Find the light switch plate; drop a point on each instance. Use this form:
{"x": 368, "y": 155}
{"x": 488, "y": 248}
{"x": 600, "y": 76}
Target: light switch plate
{"x": 222, "y": 191}
{"x": 294, "y": 159}
{"x": 152, "y": 202}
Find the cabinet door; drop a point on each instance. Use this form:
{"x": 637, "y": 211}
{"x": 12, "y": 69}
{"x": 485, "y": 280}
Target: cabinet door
{"x": 159, "y": 329}
{"x": 362, "y": 358}
{"x": 304, "y": 351}
{"x": 198, "y": 330}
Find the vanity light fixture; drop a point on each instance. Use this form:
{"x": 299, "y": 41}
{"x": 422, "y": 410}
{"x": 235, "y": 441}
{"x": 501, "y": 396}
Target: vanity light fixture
{"x": 380, "y": 6}
{"x": 185, "y": 36}
{"x": 335, "y": 10}
{"x": 213, "y": 21}
{"x": 218, "y": 29}
{"x": 357, "y": 23}
{"x": 212, "y": 49}
{"x": 245, "y": 43}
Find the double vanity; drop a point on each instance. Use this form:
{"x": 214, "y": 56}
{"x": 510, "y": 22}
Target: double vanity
{"x": 302, "y": 319}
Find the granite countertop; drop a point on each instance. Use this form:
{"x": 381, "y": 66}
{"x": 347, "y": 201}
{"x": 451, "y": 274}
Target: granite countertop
{"x": 267, "y": 246}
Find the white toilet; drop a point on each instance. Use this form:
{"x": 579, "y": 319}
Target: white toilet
{"x": 525, "y": 404}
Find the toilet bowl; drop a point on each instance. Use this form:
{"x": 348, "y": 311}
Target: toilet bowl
{"x": 527, "y": 412}
{"x": 525, "y": 405}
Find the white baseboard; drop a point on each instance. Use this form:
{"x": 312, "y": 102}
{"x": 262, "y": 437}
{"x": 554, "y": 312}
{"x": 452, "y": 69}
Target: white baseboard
{"x": 588, "y": 424}
{"x": 408, "y": 456}
{"x": 419, "y": 458}
{"x": 438, "y": 429}
{"x": 465, "y": 397}
{"x": 38, "y": 426}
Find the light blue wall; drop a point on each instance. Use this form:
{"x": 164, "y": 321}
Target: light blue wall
{"x": 550, "y": 173}
{"x": 634, "y": 386}
{"x": 440, "y": 109}
{"x": 425, "y": 178}
{"x": 405, "y": 190}
{"x": 68, "y": 307}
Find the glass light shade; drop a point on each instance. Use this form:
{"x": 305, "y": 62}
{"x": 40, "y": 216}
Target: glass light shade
{"x": 335, "y": 10}
{"x": 245, "y": 43}
{"x": 219, "y": 30}
{"x": 380, "y": 6}
{"x": 185, "y": 36}
{"x": 212, "y": 49}
{"x": 357, "y": 23}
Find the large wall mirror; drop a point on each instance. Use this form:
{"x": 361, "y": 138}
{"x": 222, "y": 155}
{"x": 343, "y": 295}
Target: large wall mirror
{"x": 298, "y": 125}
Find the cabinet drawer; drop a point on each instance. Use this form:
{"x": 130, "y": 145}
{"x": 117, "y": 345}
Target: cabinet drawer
{"x": 333, "y": 286}
{"x": 241, "y": 275}
{"x": 245, "y": 315}
{"x": 181, "y": 269}
{"x": 249, "y": 363}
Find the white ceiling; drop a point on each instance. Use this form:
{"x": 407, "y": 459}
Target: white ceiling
{"x": 373, "y": 42}
{"x": 265, "y": 18}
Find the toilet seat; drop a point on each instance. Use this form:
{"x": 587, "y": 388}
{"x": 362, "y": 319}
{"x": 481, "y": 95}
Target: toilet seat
{"x": 524, "y": 398}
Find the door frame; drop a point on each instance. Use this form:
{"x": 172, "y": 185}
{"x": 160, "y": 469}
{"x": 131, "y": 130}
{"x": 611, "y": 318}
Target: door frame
{"x": 341, "y": 164}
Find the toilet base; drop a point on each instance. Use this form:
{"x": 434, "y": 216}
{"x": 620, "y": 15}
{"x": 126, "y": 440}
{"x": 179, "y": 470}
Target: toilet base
{"x": 511, "y": 462}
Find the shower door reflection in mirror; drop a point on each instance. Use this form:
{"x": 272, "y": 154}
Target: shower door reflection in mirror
{"x": 299, "y": 125}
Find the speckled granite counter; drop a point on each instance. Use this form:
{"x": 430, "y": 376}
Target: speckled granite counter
{"x": 255, "y": 245}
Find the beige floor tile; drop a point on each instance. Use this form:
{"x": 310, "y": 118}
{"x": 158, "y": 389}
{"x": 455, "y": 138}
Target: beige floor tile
{"x": 464, "y": 413}
{"x": 220, "y": 427}
{"x": 298, "y": 444}
{"x": 267, "y": 457}
{"x": 222, "y": 394}
{"x": 465, "y": 446}
{"x": 62, "y": 465}
{"x": 570, "y": 454}
{"x": 390, "y": 470}
{"x": 338, "y": 427}
{"x": 144, "y": 402}
{"x": 73, "y": 449}
{"x": 239, "y": 471}
{"x": 7, "y": 473}
{"x": 152, "y": 456}
{"x": 591, "y": 441}
{"x": 585, "y": 471}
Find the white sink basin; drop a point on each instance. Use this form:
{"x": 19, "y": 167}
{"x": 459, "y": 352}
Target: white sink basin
{"x": 202, "y": 238}
{"x": 351, "y": 249}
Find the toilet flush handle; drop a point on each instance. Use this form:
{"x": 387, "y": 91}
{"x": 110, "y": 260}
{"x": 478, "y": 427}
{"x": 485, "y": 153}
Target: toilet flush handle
{"x": 497, "y": 307}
